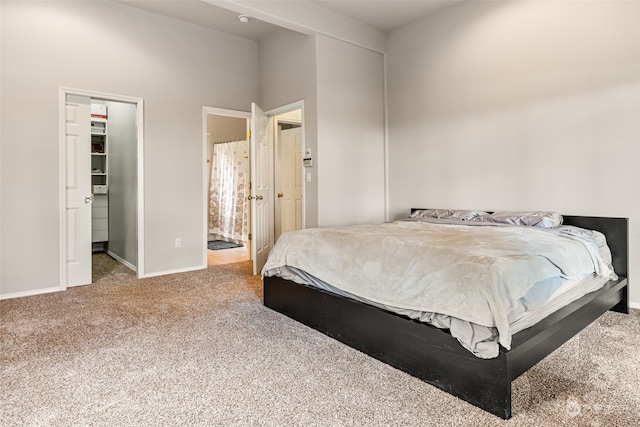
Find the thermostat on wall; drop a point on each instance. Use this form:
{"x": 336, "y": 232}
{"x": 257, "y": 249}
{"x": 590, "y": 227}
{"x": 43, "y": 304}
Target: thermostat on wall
{"x": 307, "y": 161}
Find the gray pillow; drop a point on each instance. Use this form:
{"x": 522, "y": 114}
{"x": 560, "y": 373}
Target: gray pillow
{"x": 430, "y": 213}
{"x": 463, "y": 215}
{"x": 533, "y": 218}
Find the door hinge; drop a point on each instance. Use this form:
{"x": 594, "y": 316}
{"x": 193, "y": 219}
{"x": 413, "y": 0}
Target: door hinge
{"x": 248, "y": 134}
{"x": 250, "y": 236}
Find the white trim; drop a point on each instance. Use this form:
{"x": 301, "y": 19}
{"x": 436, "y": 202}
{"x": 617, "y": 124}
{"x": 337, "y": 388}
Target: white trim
{"x": 206, "y": 110}
{"x": 101, "y": 95}
{"x": 634, "y": 305}
{"x": 226, "y": 112}
{"x": 140, "y": 188}
{"x": 62, "y": 194}
{"x": 297, "y": 105}
{"x": 121, "y": 260}
{"x": 29, "y": 293}
{"x": 1, "y": 157}
{"x": 179, "y": 270}
{"x": 139, "y": 102}
{"x": 386, "y": 139}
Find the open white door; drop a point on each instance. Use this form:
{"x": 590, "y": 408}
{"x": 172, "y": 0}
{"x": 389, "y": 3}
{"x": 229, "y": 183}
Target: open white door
{"x": 289, "y": 182}
{"x": 77, "y": 151}
{"x": 261, "y": 193}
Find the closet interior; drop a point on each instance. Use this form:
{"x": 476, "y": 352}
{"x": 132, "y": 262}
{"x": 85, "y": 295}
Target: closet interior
{"x": 114, "y": 180}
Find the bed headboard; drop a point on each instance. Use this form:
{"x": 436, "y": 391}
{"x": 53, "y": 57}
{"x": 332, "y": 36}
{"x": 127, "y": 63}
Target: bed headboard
{"x": 615, "y": 229}
{"x": 617, "y": 232}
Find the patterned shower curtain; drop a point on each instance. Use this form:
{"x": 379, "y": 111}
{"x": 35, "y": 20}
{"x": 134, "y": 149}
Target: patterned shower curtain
{"x": 228, "y": 207}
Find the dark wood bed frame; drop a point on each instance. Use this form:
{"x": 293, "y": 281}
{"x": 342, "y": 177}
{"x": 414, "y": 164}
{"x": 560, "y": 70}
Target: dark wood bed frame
{"x": 432, "y": 354}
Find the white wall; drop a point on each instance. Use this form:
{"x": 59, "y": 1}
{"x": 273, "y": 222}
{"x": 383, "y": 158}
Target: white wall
{"x": 287, "y": 74}
{"x": 122, "y": 146}
{"x": 350, "y": 153}
{"x": 519, "y": 105}
{"x": 342, "y": 86}
{"x": 109, "y": 47}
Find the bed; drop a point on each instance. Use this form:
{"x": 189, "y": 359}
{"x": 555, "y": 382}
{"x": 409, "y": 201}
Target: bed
{"x": 434, "y": 354}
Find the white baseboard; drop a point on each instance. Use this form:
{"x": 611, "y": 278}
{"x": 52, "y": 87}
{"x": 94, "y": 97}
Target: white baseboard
{"x": 122, "y": 261}
{"x": 180, "y": 270}
{"x": 29, "y": 293}
{"x": 635, "y": 305}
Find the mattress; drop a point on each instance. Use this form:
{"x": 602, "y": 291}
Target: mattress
{"x": 483, "y": 292}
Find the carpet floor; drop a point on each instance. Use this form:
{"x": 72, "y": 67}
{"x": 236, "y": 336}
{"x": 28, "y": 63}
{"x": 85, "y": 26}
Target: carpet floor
{"x": 199, "y": 348}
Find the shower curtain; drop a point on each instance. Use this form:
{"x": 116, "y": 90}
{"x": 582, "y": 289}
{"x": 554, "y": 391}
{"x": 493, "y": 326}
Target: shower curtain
{"x": 228, "y": 207}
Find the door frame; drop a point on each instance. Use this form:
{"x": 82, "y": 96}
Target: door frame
{"x": 206, "y": 110}
{"x": 139, "y": 102}
{"x": 297, "y": 105}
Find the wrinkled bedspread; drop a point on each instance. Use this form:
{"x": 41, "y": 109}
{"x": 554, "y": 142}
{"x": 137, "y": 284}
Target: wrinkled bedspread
{"x": 473, "y": 273}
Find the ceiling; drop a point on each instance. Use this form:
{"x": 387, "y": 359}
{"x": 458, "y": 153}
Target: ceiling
{"x": 386, "y": 15}
{"x": 206, "y": 15}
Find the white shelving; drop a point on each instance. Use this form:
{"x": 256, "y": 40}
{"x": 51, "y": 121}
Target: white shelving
{"x": 99, "y": 176}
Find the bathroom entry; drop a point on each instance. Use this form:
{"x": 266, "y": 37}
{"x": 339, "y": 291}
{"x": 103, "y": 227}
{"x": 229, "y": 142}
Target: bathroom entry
{"x": 228, "y": 172}
{"x": 263, "y": 173}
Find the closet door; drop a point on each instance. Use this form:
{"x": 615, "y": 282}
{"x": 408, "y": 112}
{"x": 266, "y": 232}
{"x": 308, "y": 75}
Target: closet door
{"x": 78, "y": 189}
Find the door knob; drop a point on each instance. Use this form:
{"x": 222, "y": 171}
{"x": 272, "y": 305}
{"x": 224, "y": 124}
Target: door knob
{"x": 88, "y": 199}
{"x": 280, "y": 195}
{"x": 250, "y": 198}
{"x": 259, "y": 197}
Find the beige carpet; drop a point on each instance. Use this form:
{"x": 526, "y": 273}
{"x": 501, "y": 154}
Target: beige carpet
{"x": 200, "y": 349}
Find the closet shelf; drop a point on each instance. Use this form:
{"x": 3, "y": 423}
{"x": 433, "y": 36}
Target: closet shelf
{"x": 99, "y": 177}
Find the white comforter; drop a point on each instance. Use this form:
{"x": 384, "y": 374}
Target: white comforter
{"x": 474, "y": 273}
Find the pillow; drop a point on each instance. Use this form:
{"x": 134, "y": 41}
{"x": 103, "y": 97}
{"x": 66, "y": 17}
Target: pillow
{"x": 467, "y": 215}
{"x": 463, "y": 215}
{"x": 534, "y": 218}
{"x": 430, "y": 213}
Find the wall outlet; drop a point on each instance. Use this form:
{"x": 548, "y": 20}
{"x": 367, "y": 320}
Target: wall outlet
{"x": 178, "y": 242}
